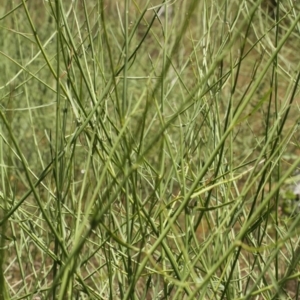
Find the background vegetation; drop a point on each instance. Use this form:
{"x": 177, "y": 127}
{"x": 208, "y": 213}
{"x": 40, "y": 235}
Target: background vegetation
{"x": 147, "y": 149}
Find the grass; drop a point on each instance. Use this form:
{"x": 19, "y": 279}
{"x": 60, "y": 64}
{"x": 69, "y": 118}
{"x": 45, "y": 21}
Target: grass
{"x": 146, "y": 150}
